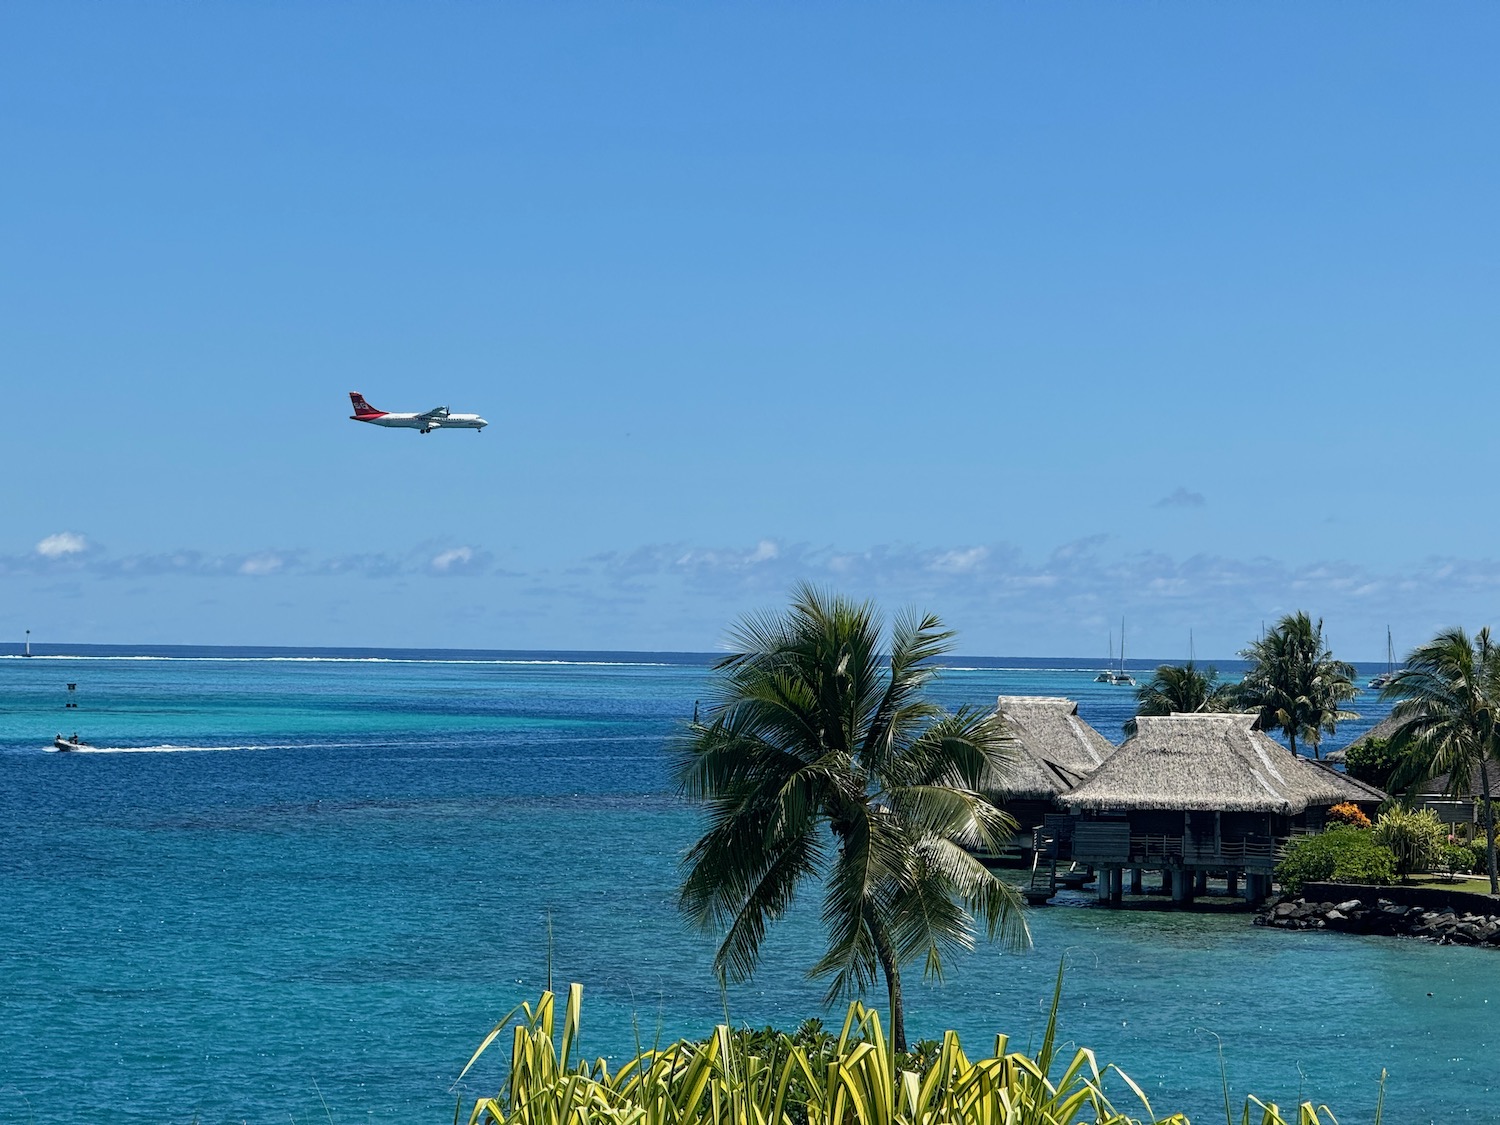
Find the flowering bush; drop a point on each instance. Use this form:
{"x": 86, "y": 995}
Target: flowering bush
{"x": 1348, "y": 813}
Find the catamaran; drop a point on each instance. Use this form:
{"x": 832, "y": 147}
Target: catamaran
{"x": 1116, "y": 676}
{"x": 1378, "y": 682}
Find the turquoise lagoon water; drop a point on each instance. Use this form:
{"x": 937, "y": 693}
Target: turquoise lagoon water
{"x": 284, "y": 882}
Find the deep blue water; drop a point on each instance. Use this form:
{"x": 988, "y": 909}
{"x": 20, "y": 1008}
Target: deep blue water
{"x": 287, "y": 880}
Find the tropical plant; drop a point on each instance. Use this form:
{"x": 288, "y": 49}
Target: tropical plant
{"x": 1479, "y": 849}
{"x": 772, "y": 1079}
{"x": 1448, "y": 713}
{"x": 1372, "y": 761}
{"x": 1453, "y": 860}
{"x": 1347, "y": 812}
{"x": 1416, "y": 837}
{"x": 821, "y": 759}
{"x": 1181, "y": 689}
{"x": 1295, "y": 684}
{"x": 1342, "y": 854}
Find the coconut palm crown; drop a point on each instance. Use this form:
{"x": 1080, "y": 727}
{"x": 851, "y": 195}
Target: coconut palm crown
{"x": 1448, "y": 714}
{"x": 821, "y": 760}
{"x": 1295, "y": 683}
{"x": 1181, "y": 689}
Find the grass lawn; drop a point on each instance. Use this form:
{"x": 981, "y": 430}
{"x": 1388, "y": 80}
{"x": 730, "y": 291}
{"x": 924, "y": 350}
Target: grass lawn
{"x": 1478, "y": 884}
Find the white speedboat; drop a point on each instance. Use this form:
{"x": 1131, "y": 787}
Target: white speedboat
{"x": 74, "y": 743}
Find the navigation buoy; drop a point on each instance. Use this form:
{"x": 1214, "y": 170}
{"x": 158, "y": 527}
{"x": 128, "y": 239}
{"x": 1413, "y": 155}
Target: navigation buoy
{"x": 71, "y": 701}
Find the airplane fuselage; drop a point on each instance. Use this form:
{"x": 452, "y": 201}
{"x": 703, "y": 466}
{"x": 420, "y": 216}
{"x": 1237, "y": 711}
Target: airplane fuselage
{"x": 422, "y": 422}
{"x": 438, "y": 418}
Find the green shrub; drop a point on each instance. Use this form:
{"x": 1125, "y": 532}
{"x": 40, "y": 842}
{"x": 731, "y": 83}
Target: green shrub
{"x": 1479, "y": 860}
{"x": 1340, "y": 855}
{"x": 1416, "y": 838}
{"x": 1454, "y": 860}
{"x": 1371, "y": 762}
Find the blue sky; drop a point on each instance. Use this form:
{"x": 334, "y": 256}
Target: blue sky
{"x": 1035, "y": 315}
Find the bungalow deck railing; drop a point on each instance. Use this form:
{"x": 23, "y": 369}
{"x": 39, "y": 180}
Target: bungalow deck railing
{"x": 1252, "y": 851}
{"x": 1113, "y": 844}
{"x": 1159, "y": 847}
{"x": 1250, "y": 848}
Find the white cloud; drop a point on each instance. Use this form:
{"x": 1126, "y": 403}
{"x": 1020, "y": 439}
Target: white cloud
{"x": 457, "y": 556}
{"x": 1181, "y": 498}
{"x": 959, "y": 561}
{"x": 61, "y": 545}
{"x": 261, "y": 564}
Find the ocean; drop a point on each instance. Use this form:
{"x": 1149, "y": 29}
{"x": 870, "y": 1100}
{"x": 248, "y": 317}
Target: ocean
{"x": 303, "y": 885}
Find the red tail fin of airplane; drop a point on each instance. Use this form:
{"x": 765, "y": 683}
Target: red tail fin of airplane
{"x": 361, "y": 407}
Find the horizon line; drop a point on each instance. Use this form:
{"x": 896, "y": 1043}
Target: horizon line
{"x": 62, "y": 649}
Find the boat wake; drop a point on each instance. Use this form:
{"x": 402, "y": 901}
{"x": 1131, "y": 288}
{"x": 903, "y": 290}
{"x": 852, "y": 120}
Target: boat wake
{"x": 345, "y": 660}
{"x": 172, "y": 748}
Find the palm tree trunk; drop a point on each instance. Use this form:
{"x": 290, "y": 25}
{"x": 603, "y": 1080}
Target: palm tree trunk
{"x": 892, "y": 970}
{"x": 1489, "y": 823}
{"x": 1292, "y": 738}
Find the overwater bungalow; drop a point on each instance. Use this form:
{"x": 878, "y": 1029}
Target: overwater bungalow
{"x": 1194, "y": 795}
{"x": 1051, "y": 749}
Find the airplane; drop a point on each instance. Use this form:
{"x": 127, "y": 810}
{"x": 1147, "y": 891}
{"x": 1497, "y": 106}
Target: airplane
{"x": 437, "y": 418}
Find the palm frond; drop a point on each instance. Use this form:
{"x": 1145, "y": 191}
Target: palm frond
{"x": 822, "y": 757}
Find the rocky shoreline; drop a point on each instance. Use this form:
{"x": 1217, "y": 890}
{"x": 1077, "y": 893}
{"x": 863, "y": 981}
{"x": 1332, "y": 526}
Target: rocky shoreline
{"x": 1442, "y": 927}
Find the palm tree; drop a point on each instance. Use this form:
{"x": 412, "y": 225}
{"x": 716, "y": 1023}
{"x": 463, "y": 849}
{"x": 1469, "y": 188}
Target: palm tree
{"x": 1295, "y": 683}
{"x": 820, "y": 759}
{"x": 1181, "y": 689}
{"x": 1448, "y": 710}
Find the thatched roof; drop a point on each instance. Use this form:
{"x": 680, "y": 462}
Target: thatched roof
{"x": 1052, "y": 747}
{"x": 1381, "y": 732}
{"x": 1438, "y": 786}
{"x": 1356, "y": 790}
{"x": 1205, "y": 762}
{"x": 1051, "y": 729}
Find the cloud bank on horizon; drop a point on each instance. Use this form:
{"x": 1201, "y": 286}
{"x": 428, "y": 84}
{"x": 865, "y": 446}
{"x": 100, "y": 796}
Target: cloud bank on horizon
{"x": 682, "y": 596}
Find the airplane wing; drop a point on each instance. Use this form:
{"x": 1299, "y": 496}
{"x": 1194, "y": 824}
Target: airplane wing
{"x": 435, "y": 412}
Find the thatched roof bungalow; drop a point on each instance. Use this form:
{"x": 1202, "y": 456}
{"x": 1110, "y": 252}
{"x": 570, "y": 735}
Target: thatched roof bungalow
{"x": 1051, "y": 749}
{"x": 1190, "y": 794}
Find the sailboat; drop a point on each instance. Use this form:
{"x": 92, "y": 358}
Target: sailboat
{"x": 1378, "y": 682}
{"x": 1116, "y": 676}
{"x": 1108, "y": 675}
